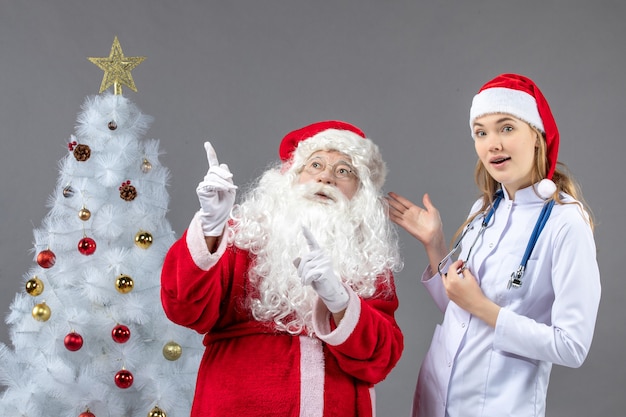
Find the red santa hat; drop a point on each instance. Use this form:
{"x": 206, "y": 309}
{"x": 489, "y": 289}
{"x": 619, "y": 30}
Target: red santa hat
{"x": 519, "y": 96}
{"x": 298, "y": 145}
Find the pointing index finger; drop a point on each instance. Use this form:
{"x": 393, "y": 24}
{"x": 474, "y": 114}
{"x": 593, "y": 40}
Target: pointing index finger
{"x": 211, "y": 156}
{"x": 310, "y": 239}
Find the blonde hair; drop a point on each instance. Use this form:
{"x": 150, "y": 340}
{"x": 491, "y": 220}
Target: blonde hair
{"x": 562, "y": 178}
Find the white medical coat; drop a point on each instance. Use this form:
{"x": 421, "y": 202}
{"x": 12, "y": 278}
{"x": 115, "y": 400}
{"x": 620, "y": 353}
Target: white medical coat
{"x": 472, "y": 369}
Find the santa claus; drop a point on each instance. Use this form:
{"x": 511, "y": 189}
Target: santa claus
{"x": 293, "y": 288}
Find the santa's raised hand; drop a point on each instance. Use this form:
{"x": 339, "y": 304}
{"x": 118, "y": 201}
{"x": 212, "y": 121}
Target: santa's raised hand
{"x": 216, "y": 193}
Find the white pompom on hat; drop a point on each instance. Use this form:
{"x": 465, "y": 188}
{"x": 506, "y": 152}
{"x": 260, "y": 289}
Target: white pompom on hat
{"x": 546, "y": 188}
{"x": 520, "y": 97}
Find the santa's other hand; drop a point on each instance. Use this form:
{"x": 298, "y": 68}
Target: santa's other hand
{"x": 315, "y": 269}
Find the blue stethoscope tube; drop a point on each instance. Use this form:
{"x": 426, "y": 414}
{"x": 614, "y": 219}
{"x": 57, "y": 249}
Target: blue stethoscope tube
{"x": 516, "y": 277}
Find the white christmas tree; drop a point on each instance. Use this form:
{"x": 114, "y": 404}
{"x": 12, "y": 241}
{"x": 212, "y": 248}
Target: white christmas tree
{"x": 89, "y": 335}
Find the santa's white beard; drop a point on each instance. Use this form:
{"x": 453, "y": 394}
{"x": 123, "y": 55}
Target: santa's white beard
{"x": 269, "y": 224}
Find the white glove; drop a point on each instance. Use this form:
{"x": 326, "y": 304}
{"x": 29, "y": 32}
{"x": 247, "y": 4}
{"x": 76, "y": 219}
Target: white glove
{"x": 316, "y": 269}
{"x": 216, "y": 194}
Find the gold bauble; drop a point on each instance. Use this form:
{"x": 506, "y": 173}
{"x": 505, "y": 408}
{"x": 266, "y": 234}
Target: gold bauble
{"x": 124, "y": 284}
{"x": 156, "y": 412}
{"x": 84, "y": 214}
{"x": 143, "y": 240}
{"x": 41, "y": 312}
{"x": 34, "y": 286}
{"x": 146, "y": 166}
{"x": 172, "y": 351}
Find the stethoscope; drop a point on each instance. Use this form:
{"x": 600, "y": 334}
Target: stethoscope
{"x": 516, "y": 277}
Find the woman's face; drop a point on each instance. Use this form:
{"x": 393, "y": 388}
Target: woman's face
{"x": 506, "y": 147}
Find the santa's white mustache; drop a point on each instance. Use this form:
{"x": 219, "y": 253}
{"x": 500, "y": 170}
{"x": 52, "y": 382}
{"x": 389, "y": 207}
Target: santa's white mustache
{"x": 315, "y": 191}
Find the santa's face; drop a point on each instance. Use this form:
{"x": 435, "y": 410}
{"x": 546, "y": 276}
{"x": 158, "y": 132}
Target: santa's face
{"x": 331, "y": 168}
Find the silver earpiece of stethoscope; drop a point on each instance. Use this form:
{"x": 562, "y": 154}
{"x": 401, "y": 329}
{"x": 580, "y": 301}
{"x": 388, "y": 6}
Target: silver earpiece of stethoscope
{"x": 451, "y": 253}
{"x": 483, "y": 226}
{"x": 456, "y": 247}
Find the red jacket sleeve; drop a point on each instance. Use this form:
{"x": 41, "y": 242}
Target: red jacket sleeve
{"x": 196, "y": 298}
{"x": 368, "y": 342}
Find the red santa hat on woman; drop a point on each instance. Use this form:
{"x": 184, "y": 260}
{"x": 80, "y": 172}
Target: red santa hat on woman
{"x": 519, "y": 96}
{"x": 333, "y": 135}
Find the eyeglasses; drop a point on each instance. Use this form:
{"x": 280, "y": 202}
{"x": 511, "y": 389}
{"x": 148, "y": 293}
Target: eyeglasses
{"x": 340, "y": 170}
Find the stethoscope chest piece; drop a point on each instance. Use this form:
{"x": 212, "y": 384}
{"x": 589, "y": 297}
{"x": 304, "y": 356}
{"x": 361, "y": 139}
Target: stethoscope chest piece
{"x": 516, "y": 278}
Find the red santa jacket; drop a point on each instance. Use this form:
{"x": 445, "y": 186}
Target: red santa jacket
{"x": 251, "y": 369}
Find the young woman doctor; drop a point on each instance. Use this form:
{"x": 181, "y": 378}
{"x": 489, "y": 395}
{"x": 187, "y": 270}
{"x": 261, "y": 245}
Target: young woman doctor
{"x": 523, "y": 293}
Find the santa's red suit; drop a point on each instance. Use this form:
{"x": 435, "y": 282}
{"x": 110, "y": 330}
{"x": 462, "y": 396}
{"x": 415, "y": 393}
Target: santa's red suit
{"x": 251, "y": 369}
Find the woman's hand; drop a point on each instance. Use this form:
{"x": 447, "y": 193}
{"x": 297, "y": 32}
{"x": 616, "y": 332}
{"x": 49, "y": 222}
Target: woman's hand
{"x": 462, "y": 288}
{"x": 424, "y": 224}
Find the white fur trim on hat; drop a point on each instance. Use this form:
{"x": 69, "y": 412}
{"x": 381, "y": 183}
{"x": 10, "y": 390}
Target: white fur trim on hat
{"x": 506, "y": 100}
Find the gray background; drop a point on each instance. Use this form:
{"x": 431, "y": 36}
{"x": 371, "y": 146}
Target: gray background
{"x": 243, "y": 73}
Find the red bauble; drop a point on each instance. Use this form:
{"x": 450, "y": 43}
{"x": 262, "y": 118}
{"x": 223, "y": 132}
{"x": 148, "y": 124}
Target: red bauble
{"x": 123, "y": 379}
{"x": 87, "y": 246}
{"x": 120, "y": 333}
{"x": 73, "y": 341}
{"x": 87, "y": 414}
{"x": 46, "y": 258}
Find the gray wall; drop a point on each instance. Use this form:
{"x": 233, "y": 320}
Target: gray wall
{"x": 243, "y": 73}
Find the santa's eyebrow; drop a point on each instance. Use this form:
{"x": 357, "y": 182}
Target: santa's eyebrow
{"x": 341, "y": 161}
{"x": 338, "y": 162}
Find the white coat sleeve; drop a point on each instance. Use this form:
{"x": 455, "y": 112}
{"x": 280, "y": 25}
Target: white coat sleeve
{"x": 434, "y": 285}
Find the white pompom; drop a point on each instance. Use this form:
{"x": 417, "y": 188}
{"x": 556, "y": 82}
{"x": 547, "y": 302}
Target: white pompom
{"x": 546, "y": 188}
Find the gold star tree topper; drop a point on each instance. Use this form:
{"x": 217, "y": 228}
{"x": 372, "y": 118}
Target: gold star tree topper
{"x": 117, "y": 68}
